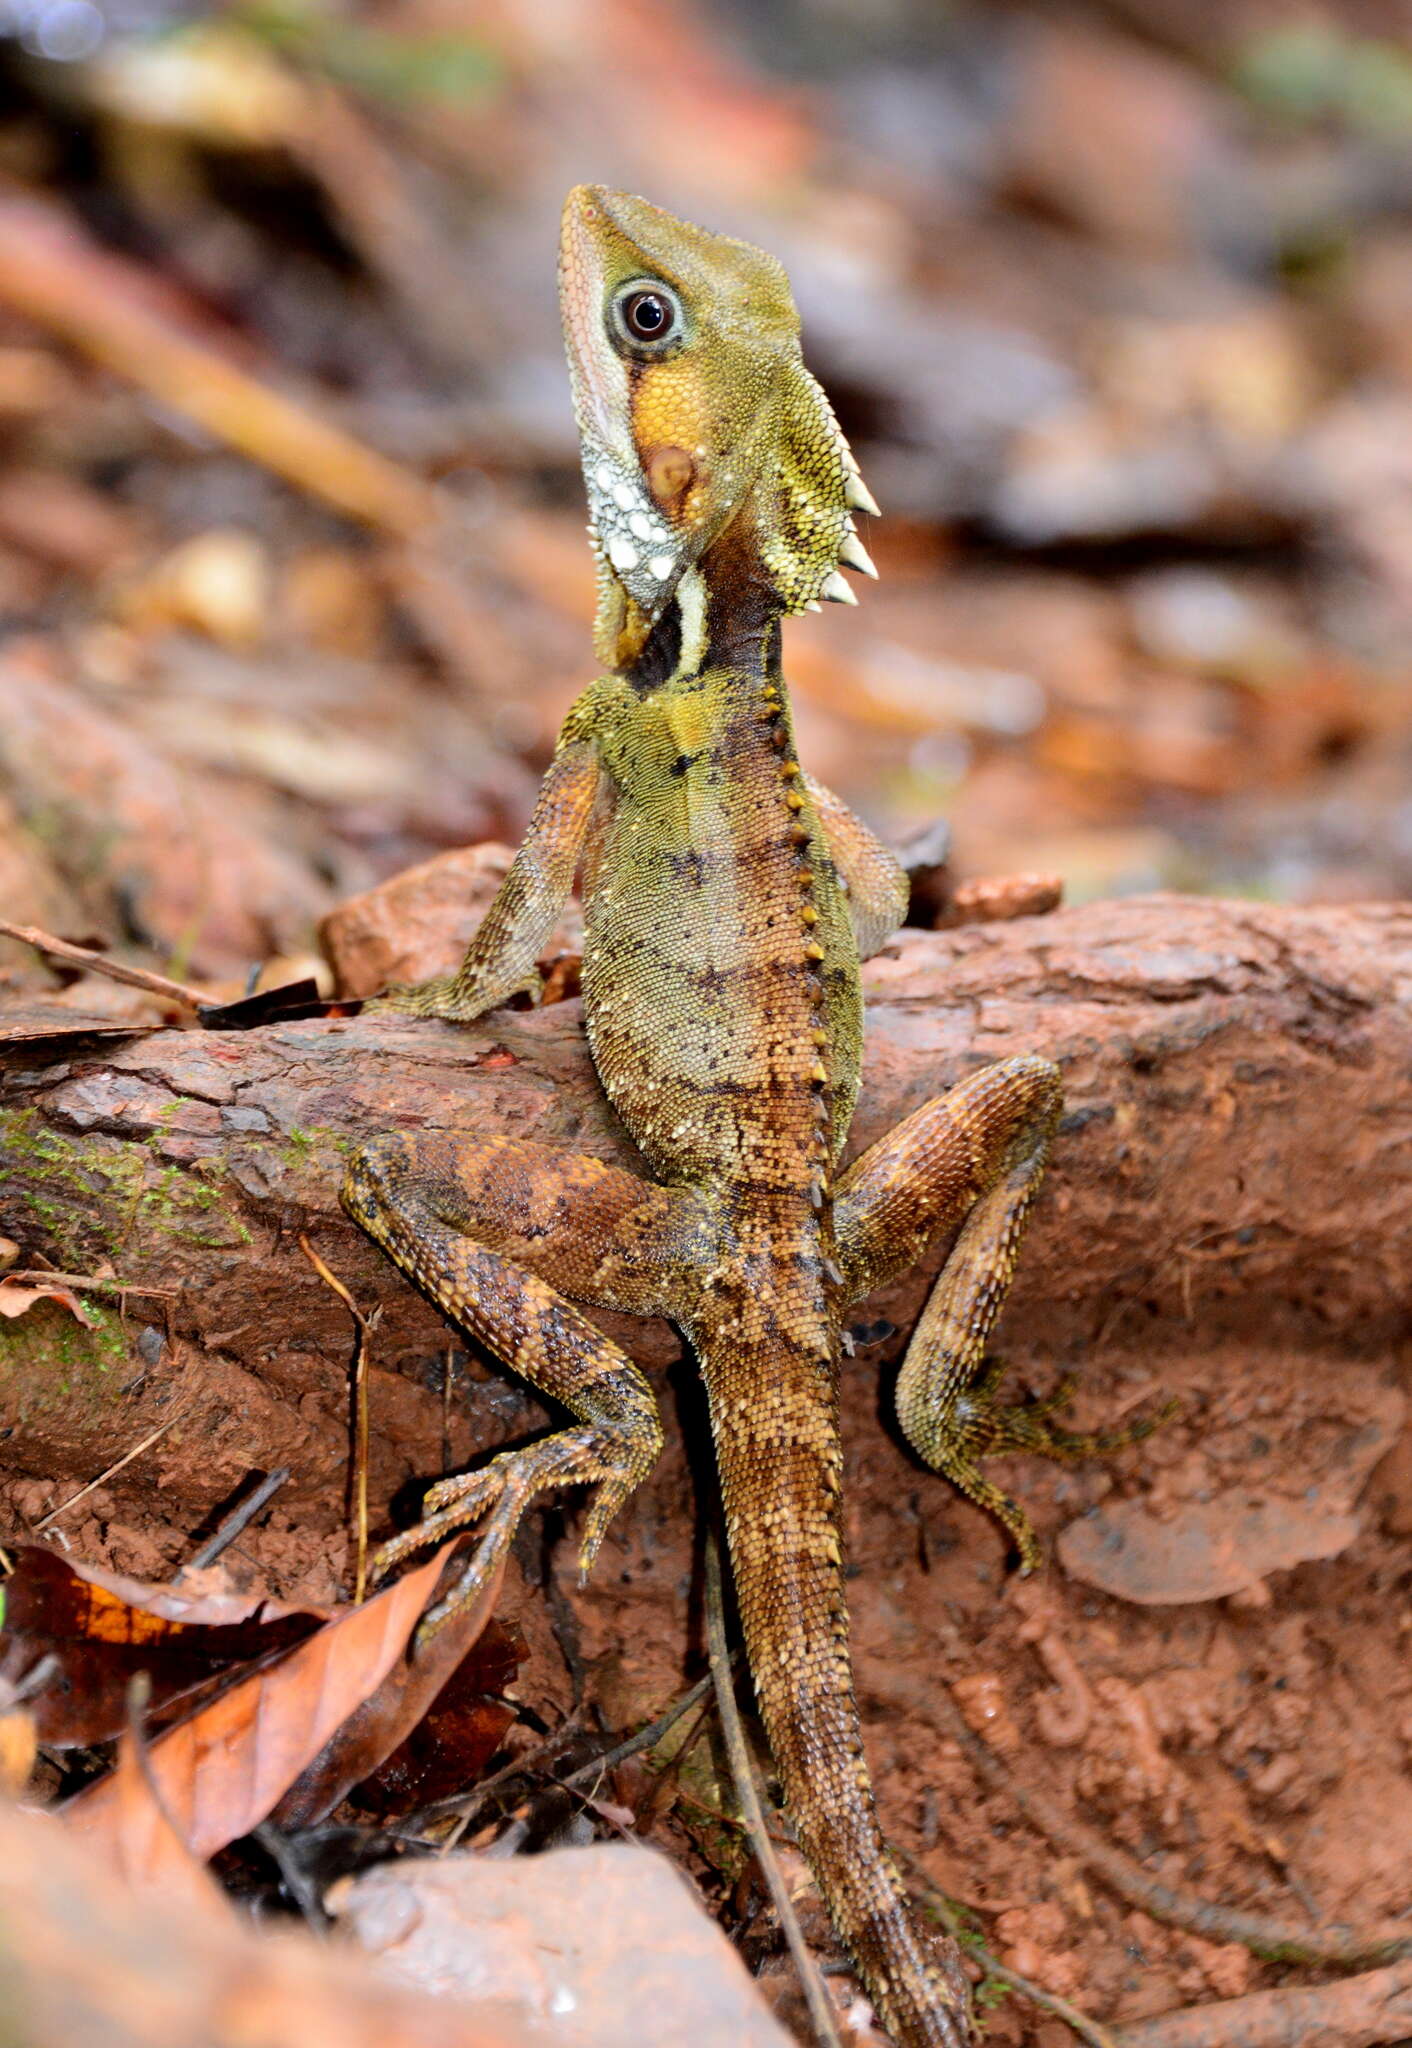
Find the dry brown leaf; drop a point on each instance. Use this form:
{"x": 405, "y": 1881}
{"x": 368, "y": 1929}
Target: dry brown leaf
{"x": 101, "y": 1629}
{"x": 369, "y": 1736}
{"x": 14, "y": 1300}
{"x": 143, "y": 1846}
{"x": 86, "y": 1961}
{"x": 18, "y": 1746}
{"x": 220, "y": 1773}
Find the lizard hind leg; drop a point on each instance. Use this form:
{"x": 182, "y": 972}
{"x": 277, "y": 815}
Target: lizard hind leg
{"x": 484, "y": 1230}
{"x": 973, "y": 1158}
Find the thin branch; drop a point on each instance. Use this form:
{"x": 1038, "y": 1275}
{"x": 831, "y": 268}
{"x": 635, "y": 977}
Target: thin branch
{"x": 469, "y": 1805}
{"x": 136, "y": 1452}
{"x": 237, "y": 1521}
{"x": 87, "y": 1283}
{"x": 1353, "y": 2012}
{"x": 645, "y": 1738}
{"x": 747, "y": 1787}
{"x": 1049, "y": 2001}
{"x": 94, "y": 962}
{"x": 1277, "y": 1940}
{"x": 53, "y": 273}
{"x": 358, "y": 1370}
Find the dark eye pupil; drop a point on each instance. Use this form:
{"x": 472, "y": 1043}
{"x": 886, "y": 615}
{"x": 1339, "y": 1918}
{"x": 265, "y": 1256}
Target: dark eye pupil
{"x": 647, "y": 315}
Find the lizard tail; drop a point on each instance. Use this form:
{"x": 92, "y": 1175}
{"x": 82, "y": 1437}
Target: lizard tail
{"x": 778, "y": 1450}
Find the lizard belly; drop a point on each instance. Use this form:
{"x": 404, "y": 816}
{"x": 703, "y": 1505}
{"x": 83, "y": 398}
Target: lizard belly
{"x": 712, "y": 1005}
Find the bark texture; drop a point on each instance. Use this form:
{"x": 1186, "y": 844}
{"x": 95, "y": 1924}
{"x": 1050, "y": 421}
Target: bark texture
{"x": 1236, "y": 1156}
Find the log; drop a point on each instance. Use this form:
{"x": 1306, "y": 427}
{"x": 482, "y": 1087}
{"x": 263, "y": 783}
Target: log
{"x": 1235, "y": 1159}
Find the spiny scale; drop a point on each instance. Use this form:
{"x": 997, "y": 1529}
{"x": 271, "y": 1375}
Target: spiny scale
{"x": 854, "y": 555}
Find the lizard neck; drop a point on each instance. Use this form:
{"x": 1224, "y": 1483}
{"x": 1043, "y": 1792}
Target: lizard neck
{"x": 725, "y": 615}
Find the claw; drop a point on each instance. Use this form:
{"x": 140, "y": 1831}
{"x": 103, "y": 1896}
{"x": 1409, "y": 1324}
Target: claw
{"x": 457, "y": 1487}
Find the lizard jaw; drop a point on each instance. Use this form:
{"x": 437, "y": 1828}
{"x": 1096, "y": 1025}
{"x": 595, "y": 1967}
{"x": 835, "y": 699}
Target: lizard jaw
{"x": 627, "y": 531}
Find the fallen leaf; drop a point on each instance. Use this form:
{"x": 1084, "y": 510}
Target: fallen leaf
{"x": 102, "y": 1629}
{"x": 32, "y": 1023}
{"x": 220, "y": 1773}
{"x": 85, "y": 1960}
{"x": 386, "y": 1721}
{"x": 18, "y": 1744}
{"x": 143, "y": 1846}
{"x": 14, "y": 1300}
{"x": 1208, "y": 1550}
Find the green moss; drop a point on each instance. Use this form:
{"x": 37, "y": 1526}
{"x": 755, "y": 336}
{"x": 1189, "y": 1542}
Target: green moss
{"x": 51, "y": 1363}
{"x": 304, "y": 1149}
{"x": 98, "y": 1193}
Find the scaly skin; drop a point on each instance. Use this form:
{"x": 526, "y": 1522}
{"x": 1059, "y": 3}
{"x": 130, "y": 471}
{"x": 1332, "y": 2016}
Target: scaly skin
{"x": 727, "y": 901}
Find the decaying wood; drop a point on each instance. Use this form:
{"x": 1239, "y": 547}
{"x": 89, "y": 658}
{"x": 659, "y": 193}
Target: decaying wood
{"x": 1237, "y": 1155}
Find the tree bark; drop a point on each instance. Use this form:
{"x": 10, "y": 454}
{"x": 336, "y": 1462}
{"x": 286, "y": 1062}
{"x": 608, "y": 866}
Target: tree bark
{"x": 1236, "y": 1155}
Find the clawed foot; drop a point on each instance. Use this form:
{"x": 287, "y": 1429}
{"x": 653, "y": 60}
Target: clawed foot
{"x": 501, "y": 1491}
{"x": 982, "y": 1426}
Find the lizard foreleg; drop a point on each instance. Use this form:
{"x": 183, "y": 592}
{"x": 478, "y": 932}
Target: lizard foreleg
{"x": 873, "y": 878}
{"x": 482, "y": 1230}
{"x": 502, "y": 958}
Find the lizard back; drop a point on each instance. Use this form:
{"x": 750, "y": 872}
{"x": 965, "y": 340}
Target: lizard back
{"x": 720, "y": 970}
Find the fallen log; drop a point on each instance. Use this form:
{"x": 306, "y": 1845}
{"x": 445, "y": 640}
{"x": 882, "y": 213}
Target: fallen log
{"x": 1235, "y": 1156}
{"x": 1236, "y": 1149}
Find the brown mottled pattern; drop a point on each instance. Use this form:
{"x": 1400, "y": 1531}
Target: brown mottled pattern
{"x": 726, "y": 898}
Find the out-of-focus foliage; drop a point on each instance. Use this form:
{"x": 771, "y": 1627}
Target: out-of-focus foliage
{"x": 1115, "y": 311}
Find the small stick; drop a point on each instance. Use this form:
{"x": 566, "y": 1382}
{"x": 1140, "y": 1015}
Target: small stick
{"x": 469, "y": 1804}
{"x": 56, "y": 275}
{"x": 1347, "y": 1947}
{"x": 747, "y": 1788}
{"x": 94, "y": 962}
{"x": 1048, "y": 2001}
{"x": 466, "y": 1805}
{"x": 136, "y": 1452}
{"x": 358, "y": 1367}
{"x": 88, "y": 1283}
{"x": 1355, "y": 2012}
{"x": 237, "y": 1520}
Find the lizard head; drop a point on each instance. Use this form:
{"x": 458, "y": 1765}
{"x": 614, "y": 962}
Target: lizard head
{"x": 695, "y": 412}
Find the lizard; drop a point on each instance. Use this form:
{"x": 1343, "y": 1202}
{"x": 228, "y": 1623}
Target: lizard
{"x": 728, "y": 900}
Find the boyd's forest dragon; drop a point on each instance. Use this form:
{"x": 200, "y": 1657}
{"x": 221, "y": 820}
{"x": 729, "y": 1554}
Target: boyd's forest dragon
{"x": 727, "y": 902}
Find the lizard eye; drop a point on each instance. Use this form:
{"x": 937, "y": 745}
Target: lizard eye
{"x": 647, "y": 317}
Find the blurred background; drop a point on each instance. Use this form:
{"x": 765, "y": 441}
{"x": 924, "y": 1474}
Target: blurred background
{"x": 1114, "y": 301}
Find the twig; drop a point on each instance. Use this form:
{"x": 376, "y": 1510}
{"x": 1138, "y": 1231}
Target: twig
{"x": 94, "y": 962}
{"x": 645, "y": 1738}
{"x": 1345, "y": 1947}
{"x": 469, "y": 1804}
{"x": 106, "y": 305}
{"x": 86, "y": 1283}
{"x": 1354, "y": 2012}
{"x": 358, "y": 1369}
{"x": 237, "y": 1520}
{"x": 136, "y": 1452}
{"x": 820, "y": 2005}
{"x": 1049, "y": 2001}
{"x": 293, "y": 1876}
{"x": 15, "y": 1691}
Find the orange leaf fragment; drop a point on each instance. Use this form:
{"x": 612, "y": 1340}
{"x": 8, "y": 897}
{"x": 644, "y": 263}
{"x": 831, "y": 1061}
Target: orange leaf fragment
{"x": 219, "y": 1774}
